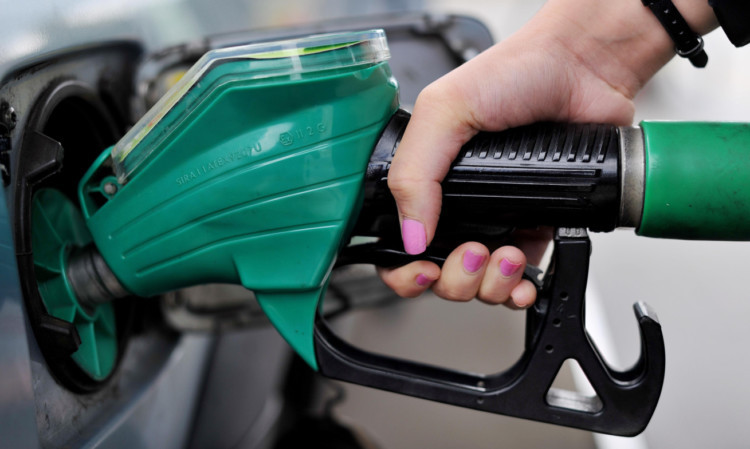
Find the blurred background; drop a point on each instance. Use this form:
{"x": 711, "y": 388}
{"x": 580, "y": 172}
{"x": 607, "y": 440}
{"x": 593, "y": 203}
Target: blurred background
{"x": 697, "y": 288}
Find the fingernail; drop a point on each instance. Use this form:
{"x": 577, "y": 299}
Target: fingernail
{"x": 423, "y": 280}
{"x": 507, "y": 268}
{"x": 415, "y": 238}
{"x": 472, "y": 261}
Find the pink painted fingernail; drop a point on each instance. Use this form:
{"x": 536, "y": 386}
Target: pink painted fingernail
{"x": 508, "y": 268}
{"x": 415, "y": 238}
{"x": 423, "y": 280}
{"x": 472, "y": 262}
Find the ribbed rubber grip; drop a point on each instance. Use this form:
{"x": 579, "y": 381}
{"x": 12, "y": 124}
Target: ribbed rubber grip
{"x": 543, "y": 174}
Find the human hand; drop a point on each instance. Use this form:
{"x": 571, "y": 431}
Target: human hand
{"x": 576, "y": 61}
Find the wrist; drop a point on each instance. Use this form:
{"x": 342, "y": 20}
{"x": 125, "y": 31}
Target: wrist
{"x": 621, "y": 41}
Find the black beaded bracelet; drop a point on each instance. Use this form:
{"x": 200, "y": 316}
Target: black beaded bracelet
{"x": 687, "y": 43}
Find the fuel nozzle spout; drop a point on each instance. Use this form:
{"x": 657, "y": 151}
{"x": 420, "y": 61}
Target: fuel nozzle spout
{"x": 91, "y": 278}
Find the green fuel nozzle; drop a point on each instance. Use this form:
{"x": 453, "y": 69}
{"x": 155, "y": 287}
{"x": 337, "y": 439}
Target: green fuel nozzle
{"x": 275, "y": 137}
{"x": 258, "y": 167}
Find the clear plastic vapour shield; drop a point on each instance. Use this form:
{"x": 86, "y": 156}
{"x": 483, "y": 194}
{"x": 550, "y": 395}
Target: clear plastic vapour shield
{"x": 293, "y": 58}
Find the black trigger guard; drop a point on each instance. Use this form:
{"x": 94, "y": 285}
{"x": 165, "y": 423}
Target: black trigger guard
{"x": 555, "y": 332}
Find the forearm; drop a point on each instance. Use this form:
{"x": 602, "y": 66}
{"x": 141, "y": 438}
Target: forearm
{"x": 620, "y": 41}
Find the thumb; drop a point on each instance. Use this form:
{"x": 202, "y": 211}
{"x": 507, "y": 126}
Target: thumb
{"x": 439, "y": 126}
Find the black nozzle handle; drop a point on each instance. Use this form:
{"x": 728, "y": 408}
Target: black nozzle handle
{"x": 546, "y": 174}
{"x": 569, "y": 177}
{"x": 555, "y": 331}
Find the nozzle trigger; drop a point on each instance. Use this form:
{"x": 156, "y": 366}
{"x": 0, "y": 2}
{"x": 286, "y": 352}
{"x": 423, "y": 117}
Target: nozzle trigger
{"x": 555, "y": 332}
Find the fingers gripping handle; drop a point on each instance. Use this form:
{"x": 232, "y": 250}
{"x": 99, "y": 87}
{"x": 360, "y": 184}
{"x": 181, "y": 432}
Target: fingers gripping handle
{"x": 555, "y": 332}
{"x": 567, "y": 176}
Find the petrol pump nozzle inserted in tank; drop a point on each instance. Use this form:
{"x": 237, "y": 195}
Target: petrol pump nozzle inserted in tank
{"x": 259, "y": 166}
{"x": 276, "y": 136}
